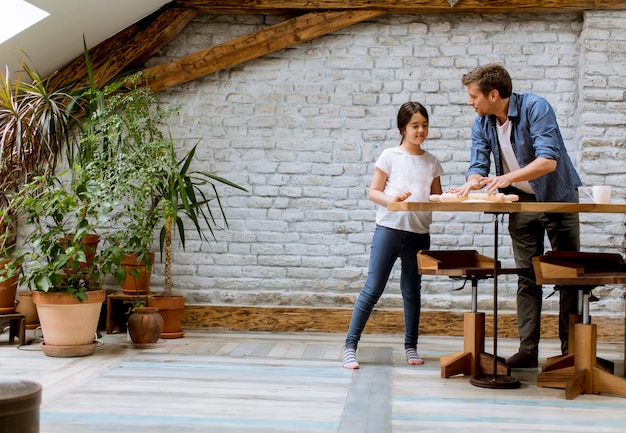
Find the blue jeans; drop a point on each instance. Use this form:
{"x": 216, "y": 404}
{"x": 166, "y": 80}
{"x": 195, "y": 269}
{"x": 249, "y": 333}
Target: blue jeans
{"x": 387, "y": 245}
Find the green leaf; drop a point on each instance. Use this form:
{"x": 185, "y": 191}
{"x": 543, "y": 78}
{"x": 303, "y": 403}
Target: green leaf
{"x": 43, "y": 283}
{"x": 120, "y": 275}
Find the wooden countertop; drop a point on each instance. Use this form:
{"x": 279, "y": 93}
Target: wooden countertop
{"x": 512, "y": 207}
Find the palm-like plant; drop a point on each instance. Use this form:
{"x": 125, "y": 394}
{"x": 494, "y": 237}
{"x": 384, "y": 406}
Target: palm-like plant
{"x": 36, "y": 125}
{"x": 180, "y": 195}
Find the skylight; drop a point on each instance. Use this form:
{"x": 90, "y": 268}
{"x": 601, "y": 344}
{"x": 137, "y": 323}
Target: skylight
{"x": 17, "y": 16}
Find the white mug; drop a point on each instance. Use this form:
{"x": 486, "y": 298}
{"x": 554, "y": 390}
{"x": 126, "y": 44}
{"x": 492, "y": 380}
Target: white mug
{"x": 600, "y": 194}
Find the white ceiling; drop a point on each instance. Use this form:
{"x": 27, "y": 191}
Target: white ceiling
{"x": 58, "y": 39}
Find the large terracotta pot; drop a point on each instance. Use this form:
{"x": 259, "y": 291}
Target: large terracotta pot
{"x": 8, "y": 290}
{"x": 68, "y": 325}
{"x": 133, "y": 285}
{"x": 145, "y": 325}
{"x": 171, "y": 308}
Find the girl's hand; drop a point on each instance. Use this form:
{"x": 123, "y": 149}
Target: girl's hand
{"x": 401, "y": 196}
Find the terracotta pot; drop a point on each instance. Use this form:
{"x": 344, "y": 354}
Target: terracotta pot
{"x": 26, "y": 306}
{"x": 133, "y": 285}
{"x": 91, "y": 241}
{"x": 65, "y": 321}
{"x": 171, "y": 308}
{"x": 145, "y": 325}
{"x": 8, "y": 290}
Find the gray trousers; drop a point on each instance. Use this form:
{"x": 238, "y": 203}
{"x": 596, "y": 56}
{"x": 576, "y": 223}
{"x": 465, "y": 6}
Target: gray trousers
{"x": 527, "y": 232}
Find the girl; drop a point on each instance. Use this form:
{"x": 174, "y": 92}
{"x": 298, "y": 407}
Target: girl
{"x": 402, "y": 172}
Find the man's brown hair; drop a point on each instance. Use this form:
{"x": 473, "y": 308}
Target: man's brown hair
{"x": 488, "y": 78}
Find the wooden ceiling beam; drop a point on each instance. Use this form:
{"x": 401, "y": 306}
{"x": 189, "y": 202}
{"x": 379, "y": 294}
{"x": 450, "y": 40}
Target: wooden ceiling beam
{"x": 252, "y": 46}
{"x": 133, "y": 46}
{"x": 399, "y": 6}
{"x": 128, "y": 49}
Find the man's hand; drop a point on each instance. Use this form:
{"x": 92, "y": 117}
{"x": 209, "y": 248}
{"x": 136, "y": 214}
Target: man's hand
{"x": 492, "y": 184}
{"x": 473, "y": 182}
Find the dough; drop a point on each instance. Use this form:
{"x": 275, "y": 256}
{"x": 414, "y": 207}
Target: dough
{"x": 497, "y": 197}
{"x": 448, "y": 197}
{"x": 476, "y": 197}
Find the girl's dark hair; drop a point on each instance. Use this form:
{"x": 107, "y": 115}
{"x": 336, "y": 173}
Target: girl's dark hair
{"x": 489, "y": 77}
{"x": 407, "y": 111}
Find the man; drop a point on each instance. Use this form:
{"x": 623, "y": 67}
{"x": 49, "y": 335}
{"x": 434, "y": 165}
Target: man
{"x": 530, "y": 160}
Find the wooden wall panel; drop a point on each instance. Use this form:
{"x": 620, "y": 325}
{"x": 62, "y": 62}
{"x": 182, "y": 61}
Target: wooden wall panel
{"x": 382, "y": 321}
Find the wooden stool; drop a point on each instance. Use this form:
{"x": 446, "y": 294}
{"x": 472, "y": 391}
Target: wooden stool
{"x": 472, "y": 360}
{"x": 579, "y": 371}
{"x": 17, "y": 326}
{"x": 468, "y": 265}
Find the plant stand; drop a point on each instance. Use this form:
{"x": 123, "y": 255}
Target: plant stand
{"x": 17, "y": 326}
{"x": 116, "y": 302}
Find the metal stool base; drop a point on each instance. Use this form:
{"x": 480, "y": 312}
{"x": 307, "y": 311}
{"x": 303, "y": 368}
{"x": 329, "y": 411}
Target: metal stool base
{"x": 495, "y": 381}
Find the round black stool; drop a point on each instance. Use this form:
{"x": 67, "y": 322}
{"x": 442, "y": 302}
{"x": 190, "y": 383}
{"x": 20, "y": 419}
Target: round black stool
{"x": 19, "y": 406}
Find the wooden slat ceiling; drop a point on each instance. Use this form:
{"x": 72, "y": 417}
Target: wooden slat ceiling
{"x": 306, "y": 20}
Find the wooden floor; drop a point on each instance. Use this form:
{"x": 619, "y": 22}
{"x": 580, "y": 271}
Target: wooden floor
{"x": 229, "y": 382}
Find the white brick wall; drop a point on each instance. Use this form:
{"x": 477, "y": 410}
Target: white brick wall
{"x": 302, "y": 127}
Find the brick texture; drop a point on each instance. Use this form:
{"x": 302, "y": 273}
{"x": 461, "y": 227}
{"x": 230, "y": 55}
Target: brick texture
{"x": 302, "y": 127}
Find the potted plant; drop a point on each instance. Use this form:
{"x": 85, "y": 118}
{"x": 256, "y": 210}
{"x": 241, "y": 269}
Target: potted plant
{"x": 10, "y": 267}
{"x": 183, "y": 195}
{"x": 109, "y": 181}
{"x": 36, "y": 126}
{"x": 87, "y": 200}
{"x": 60, "y": 267}
{"x": 122, "y": 141}
{"x": 124, "y": 122}
{"x": 158, "y": 188}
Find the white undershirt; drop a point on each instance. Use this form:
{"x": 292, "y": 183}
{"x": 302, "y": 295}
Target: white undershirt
{"x": 509, "y": 161}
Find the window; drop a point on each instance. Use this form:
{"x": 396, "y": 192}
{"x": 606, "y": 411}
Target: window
{"x": 17, "y": 16}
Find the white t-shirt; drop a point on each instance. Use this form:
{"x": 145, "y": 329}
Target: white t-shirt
{"x": 405, "y": 172}
{"x": 509, "y": 160}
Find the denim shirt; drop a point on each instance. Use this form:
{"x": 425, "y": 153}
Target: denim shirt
{"x": 534, "y": 134}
